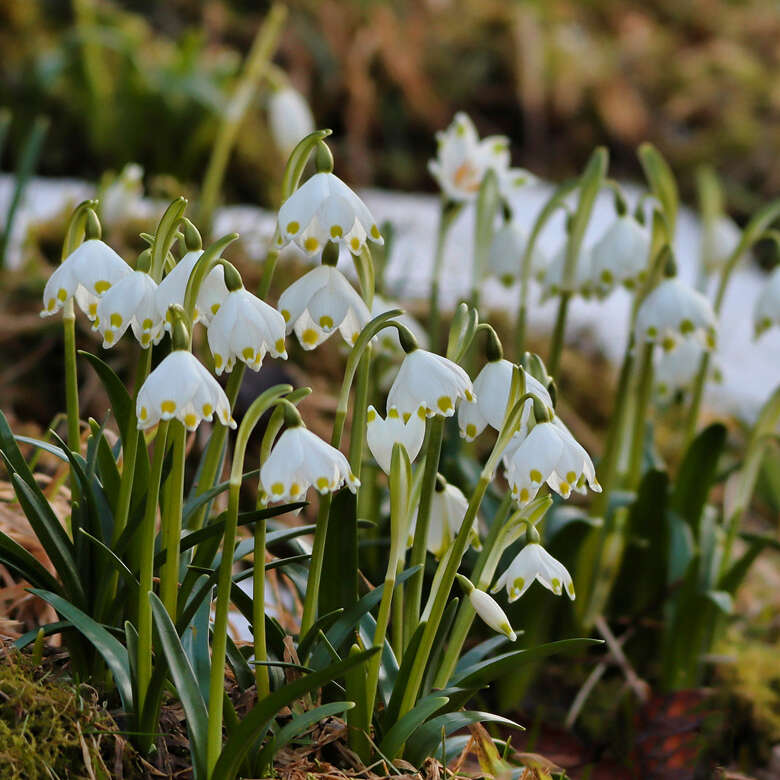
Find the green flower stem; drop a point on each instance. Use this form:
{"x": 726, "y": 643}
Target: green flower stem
{"x": 643, "y": 393}
{"x": 269, "y": 267}
{"x": 224, "y": 581}
{"x": 262, "y": 682}
{"x": 556, "y": 342}
{"x": 146, "y": 568}
{"x": 255, "y": 67}
{"x": 447, "y": 215}
{"x": 357, "y": 436}
{"x": 414, "y": 585}
{"x": 397, "y": 624}
{"x": 171, "y": 521}
{"x": 212, "y": 458}
{"x": 71, "y": 377}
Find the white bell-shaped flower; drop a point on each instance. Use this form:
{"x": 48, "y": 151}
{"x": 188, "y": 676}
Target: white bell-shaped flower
{"x": 122, "y": 198}
{"x": 85, "y": 274}
{"x": 672, "y": 310}
{"x": 676, "y": 368}
{"x": 388, "y": 337}
{"x": 767, "y": 309}
{"x": 321, "y": 302}
{"x": 181, "y": 387}
{"x": 131, "y": 302}
{"x": 491, "y": 613}
{"x": 719, "y": 238}
{"x": 552, "y": 281}
{"x": 621, "y": 255}
{"x": 429, "y": 380}
{"x": 173, "y": 288}
{"x": 549, "y": 453}
{"x": 491, "y": 388}
{"x": 533, "y": 562}
{"x": 448, "y": 510}
{"x": 505, "y": 258}
{"x": 245, "y": 328}
{"x": 325, "y": 209}
{"x": 299, "y": 460}
{"x": 289, "y": 118}
{"x": 462, "y": 160}
{"x": 381, "y": 435}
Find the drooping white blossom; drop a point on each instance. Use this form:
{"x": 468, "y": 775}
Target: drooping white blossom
{"x": 300, "y": 460}
{"x": 246, "y": 329}
{"x": 505, "y": 258}
{"x": 325, "y": 209}
{"x": 719, "y": 238}
{"x": 321, "y": 302}
{"x": 552, "y": 281}
{"x": 533, "y": 562}
{"x": 289, "y": 118}
{"x": 676, "y": 368}
{"x": 381, "y": 435}
{"x": 131, "y": 302}
{"x": 767, "y": 308}
{"x": 181, "y": 387}
{"x": 621, "y": 255}
{"x": 85, "y": 274}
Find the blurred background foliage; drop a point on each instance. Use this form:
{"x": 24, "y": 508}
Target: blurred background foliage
{"x": 698, "y": 78}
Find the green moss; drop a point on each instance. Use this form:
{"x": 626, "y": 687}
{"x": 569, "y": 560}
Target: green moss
{"x": 50, "y": 727}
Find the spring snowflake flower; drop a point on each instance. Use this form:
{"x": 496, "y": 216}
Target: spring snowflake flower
{"x": 299, "y": 460}
{"x": 719, "y": 238}
{"x": 245, "y": 328}
{"x": 505, "y": 258}
{"x": 429, "y": 380}
{"x": 122, "y": 197}
{"x": 491, "y": 613}
{"x": 321, "y": 302}
{"x": 181, "y": 387}
{"x": 549, "y": 453}
{"x": 462, "y": 160}
{"x": 533, "y": 562}
{"x": 448, "y": 509}
{"x": 173, "y": 288}
{"x": 130, "y": 303}
{"x": 325, "y": 209}
{"x": 85, "y": 274}
{"x": 552, "y": 281}
{"x": 621, "y": 255}
{"x": 289, "y": 118}
{"x": 674, "y": 309}
{"x": 381, "y": 435}
{"x": 491, "y": 388}
{"x": 677, "y": 368}
{"x": 767, "y": 309}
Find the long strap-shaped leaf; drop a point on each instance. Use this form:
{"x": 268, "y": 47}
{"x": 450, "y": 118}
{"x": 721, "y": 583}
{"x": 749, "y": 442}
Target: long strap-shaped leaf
{"x": 185, "y": 682}
{"x": 112, "y": 650}
{"x": 13, "y": 555}
{"x": 256, "y": 721}
{"x": 409, "y": 723}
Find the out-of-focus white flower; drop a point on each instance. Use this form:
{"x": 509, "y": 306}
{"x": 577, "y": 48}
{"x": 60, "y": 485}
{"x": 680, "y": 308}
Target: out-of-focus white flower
{"x": 85, "y": 274}
{"x": 388, "y": 338}
{"x": 321, "y": 302}
{"x": 533, "y": 562}
{"x": 448, "y": 510}
{"x": 245, "y": 328}
{"x": 767, "y": 309}
{"x": 299, "y": 460}
{"x": 121, "y": 198}
{"x": 173, "y": 288}
{"x": 325, "y": 209}
{"x": 289, "y": 118}
{"x": 130, "y": 303}
{"x": 491, "y": 388}
{"x": 512, "y": 180}
{"x": 181, "y": 387}
{"x": 552, "y": 282}
{"x": 505, "y": 258}
{"x": 491, "y": 613}
{"x": 549, "y": 453}
{"x": 621, "y": 255}
{"x": 677, "y": 368}
{"x": 674, "y": 309}
{"x": 719, "y": 238}
{"x": 429, "y": 380}
{"x": 462, "y": 160}
{"x": 381, "y": 435}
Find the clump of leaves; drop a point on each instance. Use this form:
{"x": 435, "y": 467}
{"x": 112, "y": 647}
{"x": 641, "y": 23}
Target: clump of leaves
{"x": 50, "y": 727}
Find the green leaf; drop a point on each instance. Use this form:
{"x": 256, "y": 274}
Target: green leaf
{"x": 402, "y": 679}
{"x": 696, "y": 475}
{"x": 256, "y": 721}
{"x": 323, "y": 623}
{"x": 26, "y": 565}
{"x": 113, "y": 652}
{"x": 479, "y": 652}
{"x": 426, "y": 741}
{"x": 186, "y": 684}
{"x": 721, "y": 600}
{"x": 485, "y": 672}
{"x": 241, "y": 669}
{"x": 119, "y": 398}
{"x": 340, "y": 555}
{"x": 48, "y": 630}
{"x": 409, "y": 723}
{"x": 662, "y": 183}
{"x": 733, "y": 576}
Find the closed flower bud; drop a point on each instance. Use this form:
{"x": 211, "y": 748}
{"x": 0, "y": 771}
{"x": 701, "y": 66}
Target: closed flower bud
{"x": 289, "y": 118}
{"x": 495, "y": 617}
{"x": 719, "y": 238}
